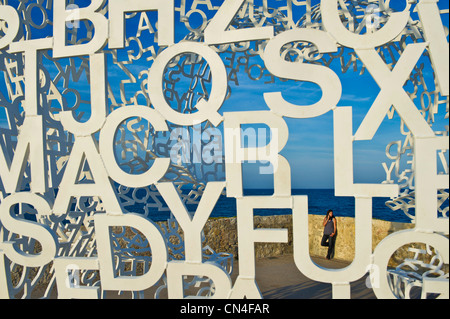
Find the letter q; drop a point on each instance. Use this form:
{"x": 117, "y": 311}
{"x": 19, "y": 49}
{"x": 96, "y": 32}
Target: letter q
{"x": 9, "y": 15}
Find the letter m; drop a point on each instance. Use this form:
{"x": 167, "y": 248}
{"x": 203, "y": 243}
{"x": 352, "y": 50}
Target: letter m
{"x": 30, "y": 146}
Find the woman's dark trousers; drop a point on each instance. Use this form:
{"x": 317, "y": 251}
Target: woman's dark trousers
{"x": 329, "y": 241}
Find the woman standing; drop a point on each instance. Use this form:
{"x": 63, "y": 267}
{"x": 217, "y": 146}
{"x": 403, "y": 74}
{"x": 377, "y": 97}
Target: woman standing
{"x": 329, "y": 233}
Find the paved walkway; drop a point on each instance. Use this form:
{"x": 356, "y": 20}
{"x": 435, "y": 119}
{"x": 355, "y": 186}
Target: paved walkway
{"x": 279, "y": 278}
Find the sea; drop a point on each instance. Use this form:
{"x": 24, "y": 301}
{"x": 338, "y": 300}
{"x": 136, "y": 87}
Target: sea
{"x": 319, "y": 202}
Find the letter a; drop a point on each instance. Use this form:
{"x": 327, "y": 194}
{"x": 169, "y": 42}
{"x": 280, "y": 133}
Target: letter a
{"x": 85, "y": 148}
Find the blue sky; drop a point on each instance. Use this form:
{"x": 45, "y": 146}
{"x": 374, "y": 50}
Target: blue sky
{"x": 310, "y": 146}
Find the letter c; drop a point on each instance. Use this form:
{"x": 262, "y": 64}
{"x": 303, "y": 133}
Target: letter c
{"x": 106, "y": 144}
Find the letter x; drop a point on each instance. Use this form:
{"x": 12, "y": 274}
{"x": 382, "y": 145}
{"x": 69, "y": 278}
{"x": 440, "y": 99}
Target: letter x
{"x": 392, "y": 92}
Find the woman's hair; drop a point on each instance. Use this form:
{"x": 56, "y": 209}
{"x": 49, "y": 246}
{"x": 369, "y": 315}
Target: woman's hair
{"x": 330, "y": 211}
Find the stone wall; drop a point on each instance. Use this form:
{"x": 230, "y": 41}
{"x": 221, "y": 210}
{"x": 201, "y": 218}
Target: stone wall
{"x": 221, "y": 235}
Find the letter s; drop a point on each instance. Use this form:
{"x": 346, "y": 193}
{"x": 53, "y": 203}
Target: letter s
{"x": 42, "y": 233}
{"x": 326, "y": 78}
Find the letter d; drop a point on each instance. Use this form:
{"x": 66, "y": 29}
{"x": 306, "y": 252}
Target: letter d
{"x": 151, "y": 231}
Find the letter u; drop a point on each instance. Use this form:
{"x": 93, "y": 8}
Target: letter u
{"x": 363, "y": 243}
